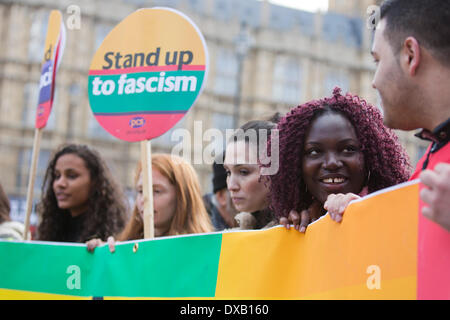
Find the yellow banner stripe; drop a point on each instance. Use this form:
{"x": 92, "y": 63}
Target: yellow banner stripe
{"x": 6, "y": 294}
{"x": 376, "y": 240}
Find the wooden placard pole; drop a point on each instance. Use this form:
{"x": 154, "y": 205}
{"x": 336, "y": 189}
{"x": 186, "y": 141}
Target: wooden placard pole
{"x": 31, "y": 178}
{"x": 147, "y": 186}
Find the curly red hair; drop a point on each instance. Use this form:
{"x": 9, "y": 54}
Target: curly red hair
{"x": 384, "y": 157}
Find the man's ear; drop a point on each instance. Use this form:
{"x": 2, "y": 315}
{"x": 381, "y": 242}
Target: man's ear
{"x": 411, "y": 56}
{"x": 221, "y": 197}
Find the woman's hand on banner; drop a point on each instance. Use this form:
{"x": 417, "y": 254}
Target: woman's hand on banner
{"x": 94, "y": 243}
{"x": 337, "y": 203}
{"x": 302, "y": 220}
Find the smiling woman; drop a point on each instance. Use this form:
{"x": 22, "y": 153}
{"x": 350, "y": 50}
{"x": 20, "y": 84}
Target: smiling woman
{"x": 332, "y": 157}
{"x": 80, "y": 199}
{"x": 330, "y": 146}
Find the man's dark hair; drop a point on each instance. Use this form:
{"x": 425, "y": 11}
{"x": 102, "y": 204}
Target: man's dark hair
{"x": 426, "y": 20}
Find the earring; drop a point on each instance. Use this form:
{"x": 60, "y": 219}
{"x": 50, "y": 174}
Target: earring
{"x": 306, "y": 191}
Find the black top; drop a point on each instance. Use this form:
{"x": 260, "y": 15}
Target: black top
{"x": 263, "y": 218}
{"x": 216, "y": 218}
{"x": 440, "y": 136}
{"x": 75, "y": 228}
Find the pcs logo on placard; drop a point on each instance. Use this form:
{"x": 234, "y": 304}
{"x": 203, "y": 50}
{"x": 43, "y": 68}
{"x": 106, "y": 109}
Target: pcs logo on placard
{"x": 137, "y": 122}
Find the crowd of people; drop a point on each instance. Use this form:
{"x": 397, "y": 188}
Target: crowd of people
{"x": 330, "y": 151}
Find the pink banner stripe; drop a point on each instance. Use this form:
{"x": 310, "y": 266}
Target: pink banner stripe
{"x": 144, "y": 69}
{"x": 193, "y": 68}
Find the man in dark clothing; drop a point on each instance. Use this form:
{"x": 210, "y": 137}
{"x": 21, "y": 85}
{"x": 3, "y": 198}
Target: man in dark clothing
{"x": 219, "y": 204}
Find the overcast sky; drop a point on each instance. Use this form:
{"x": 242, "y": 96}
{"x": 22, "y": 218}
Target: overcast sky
{"x": 307, "y": 5}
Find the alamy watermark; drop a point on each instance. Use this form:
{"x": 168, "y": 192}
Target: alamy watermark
{"x": 191, "y": 147}
{"x": 374, "y": 280}
{"x": 74, "y": 278}
{"x": 374, "y": 14}
{"x": 73, "y": 22}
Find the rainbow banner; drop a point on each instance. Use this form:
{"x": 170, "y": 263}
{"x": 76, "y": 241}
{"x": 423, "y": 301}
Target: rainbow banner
{"x": 372, "y": 254}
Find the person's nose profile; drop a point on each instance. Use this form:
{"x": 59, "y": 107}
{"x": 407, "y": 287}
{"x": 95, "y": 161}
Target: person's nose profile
{"x": 332, "y": 162}
{"x": 60, "y": 182}
{"x": 232, "y": 184}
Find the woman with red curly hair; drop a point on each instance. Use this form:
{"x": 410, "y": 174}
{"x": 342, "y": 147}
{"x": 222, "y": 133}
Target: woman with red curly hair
{"x": 336, "y": 145}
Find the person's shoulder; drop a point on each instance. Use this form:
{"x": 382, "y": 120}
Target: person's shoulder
{"x": 13, "y": 225}
{"x": 12, "y": 230}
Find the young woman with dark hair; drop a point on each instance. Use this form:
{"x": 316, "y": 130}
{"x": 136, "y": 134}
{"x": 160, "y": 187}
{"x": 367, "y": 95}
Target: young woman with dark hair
{"x": 249, "y": 193}
{"x": 336, "y": 145}
{"x": 80, "y": 199}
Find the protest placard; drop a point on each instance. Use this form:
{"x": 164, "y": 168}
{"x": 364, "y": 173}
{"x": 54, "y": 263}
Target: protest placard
{"x": 54, "y": 49}
{"x": 147, "y": 73}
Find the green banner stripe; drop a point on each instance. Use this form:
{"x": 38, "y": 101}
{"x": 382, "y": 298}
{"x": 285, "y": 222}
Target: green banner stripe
{"x": 167, "y": 268}
{"x": 144, "y": 91}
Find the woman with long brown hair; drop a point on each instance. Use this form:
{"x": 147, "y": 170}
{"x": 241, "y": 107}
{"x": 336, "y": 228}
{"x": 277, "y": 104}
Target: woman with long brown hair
{"x": 80, "y": 199}
{"x": 177, "y": 202}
